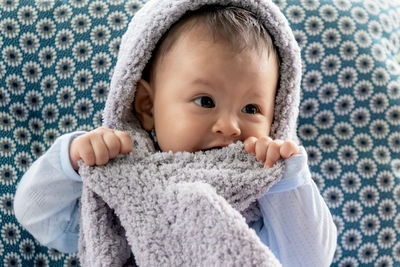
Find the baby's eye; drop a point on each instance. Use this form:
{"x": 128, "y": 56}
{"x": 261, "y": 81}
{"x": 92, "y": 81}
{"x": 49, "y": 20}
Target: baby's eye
{"x": 204, "y": 101}
{"x": 251, "y": 109}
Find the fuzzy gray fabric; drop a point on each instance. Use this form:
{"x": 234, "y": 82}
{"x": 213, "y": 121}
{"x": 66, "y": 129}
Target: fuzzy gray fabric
{"x": 174, "y": 209}
{"x": 183, "y": 208}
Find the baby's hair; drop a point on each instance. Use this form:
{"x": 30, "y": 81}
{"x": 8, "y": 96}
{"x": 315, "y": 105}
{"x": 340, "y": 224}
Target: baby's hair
{"x": 238, "y": 27}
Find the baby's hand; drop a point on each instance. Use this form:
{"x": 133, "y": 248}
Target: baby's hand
{"x": 269, "y": 151}
{"x": 99, "y": 146}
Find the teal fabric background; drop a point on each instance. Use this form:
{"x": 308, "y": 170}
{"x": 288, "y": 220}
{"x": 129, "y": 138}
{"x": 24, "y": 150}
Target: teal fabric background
{"x": 57, "y": 58}
{"x": 350, "y": 120}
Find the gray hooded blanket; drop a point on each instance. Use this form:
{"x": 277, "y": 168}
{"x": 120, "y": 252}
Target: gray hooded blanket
{"x": 181, "y": 209}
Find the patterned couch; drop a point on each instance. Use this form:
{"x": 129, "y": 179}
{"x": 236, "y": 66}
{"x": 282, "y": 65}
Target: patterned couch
{"x": 57, "y": 58}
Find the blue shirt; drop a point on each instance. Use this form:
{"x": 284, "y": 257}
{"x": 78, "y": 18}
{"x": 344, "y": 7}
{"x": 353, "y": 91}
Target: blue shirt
{"x": 296, "y": 224}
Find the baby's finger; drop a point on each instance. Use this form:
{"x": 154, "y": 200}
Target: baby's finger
{"x": 126, "y": 142}
{"x": 100, "y": 149}
{"x": 81, "y": 148}
{"x": 273, "y": 153}
{"x": 261, "y": 148}
{"x": 85, "y": 151}
{"x": 288, "y": 149}
{"x": 113, "y": 144}
{"x": 250, "y": 145}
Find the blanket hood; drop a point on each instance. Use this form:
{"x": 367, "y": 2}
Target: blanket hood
{"x": 154, "y": 19}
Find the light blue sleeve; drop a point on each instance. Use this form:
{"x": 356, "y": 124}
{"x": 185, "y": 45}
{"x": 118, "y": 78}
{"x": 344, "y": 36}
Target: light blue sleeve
{"x": 46, "y": 202}
{"x": 296, "y": 223}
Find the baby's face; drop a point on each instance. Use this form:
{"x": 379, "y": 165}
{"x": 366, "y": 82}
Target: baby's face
{"x": 206, "y": 95}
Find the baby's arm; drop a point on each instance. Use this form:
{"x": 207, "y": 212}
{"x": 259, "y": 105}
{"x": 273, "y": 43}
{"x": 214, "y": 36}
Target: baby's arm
{"x": 296, "y": 224}
{"x": 47, "y": 197}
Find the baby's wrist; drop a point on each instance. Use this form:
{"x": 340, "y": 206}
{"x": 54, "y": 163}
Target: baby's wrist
{"x": 73, "y": 152}
{"x": 73, "y": 157}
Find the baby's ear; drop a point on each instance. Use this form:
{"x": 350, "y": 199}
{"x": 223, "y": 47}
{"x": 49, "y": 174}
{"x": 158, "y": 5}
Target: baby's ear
{"x": 144, "y": 104}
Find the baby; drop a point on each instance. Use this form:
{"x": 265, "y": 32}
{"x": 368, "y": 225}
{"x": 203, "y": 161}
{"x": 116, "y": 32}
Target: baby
{"x": 212, "y": 81}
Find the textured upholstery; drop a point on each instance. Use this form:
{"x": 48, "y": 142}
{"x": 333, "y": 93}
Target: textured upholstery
{"x": 350, "y": 120}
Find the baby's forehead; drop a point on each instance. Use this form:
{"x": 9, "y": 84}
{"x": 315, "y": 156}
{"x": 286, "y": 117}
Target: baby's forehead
{"x": 198, "y": 43}
{"x": 213, "y": 66}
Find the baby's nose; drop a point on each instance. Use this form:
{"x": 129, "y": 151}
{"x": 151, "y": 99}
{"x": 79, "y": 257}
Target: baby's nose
{"x": 227, "y": 126}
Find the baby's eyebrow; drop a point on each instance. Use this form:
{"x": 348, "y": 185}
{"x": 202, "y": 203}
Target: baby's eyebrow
{"x": 203, "y": 82}
{"x": 254, "y": 94}
{"x": 250, "y": 93}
